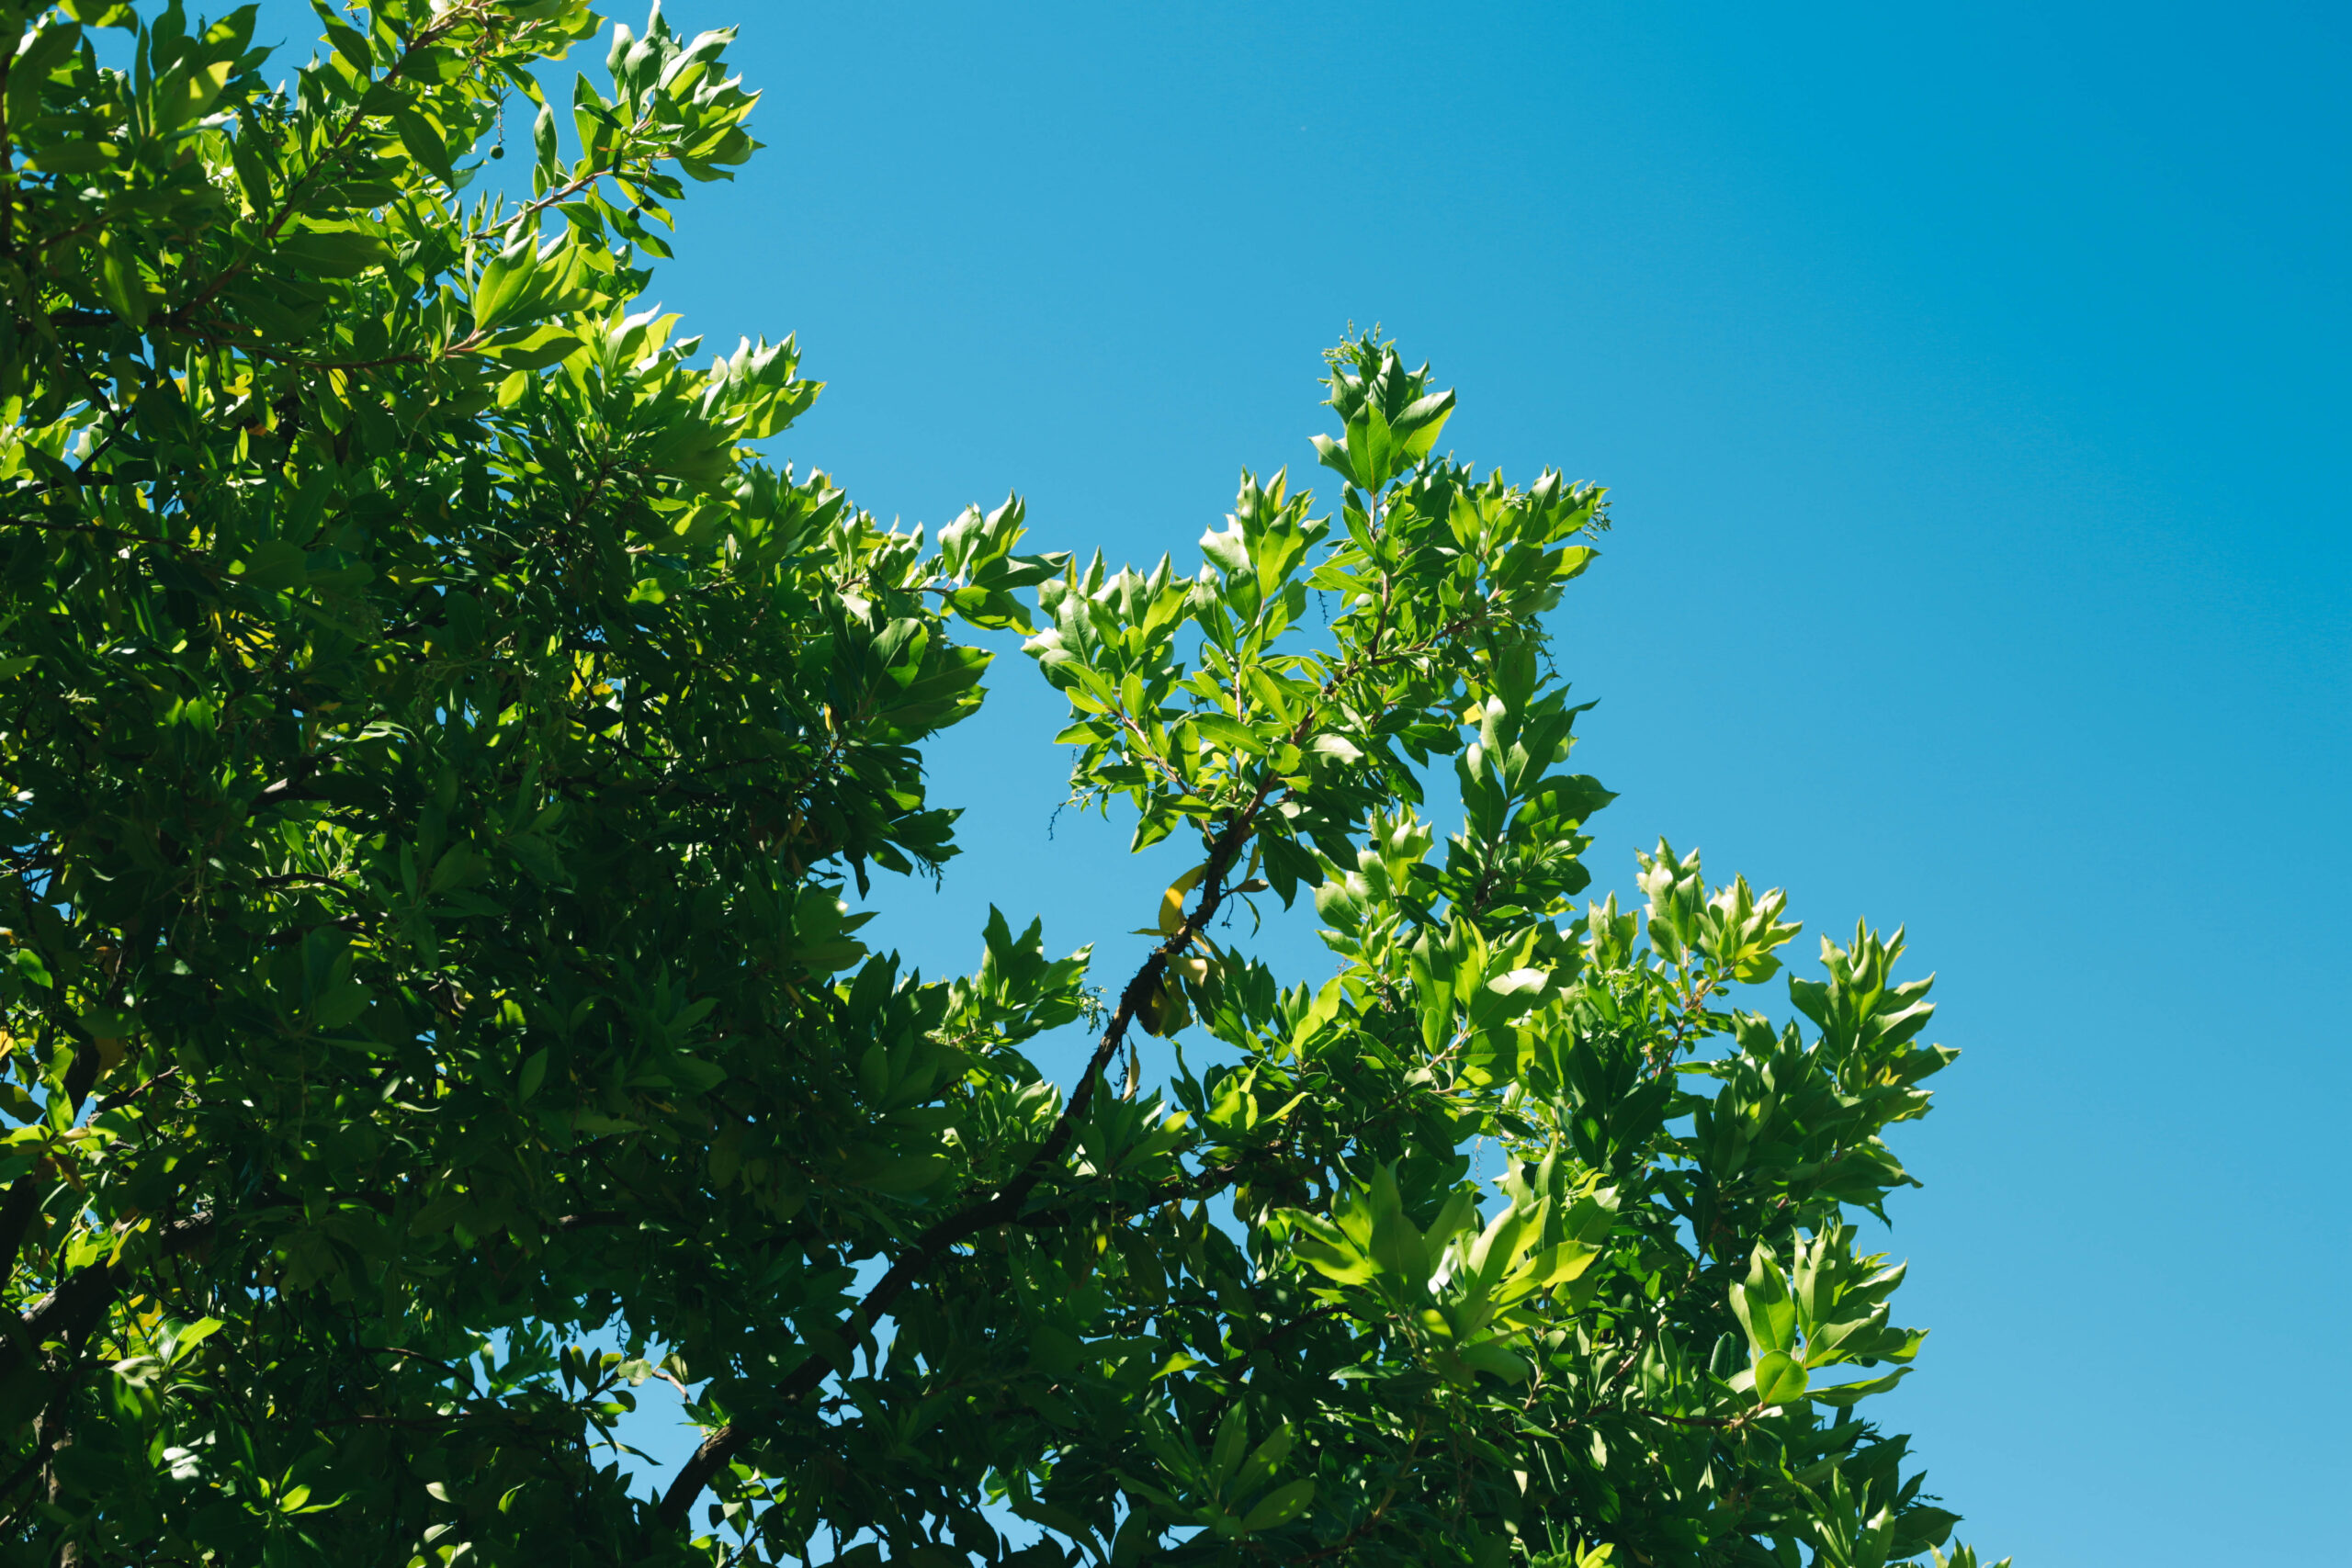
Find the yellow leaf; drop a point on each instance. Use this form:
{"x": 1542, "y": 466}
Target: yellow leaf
{"x": 1171, "y": 903}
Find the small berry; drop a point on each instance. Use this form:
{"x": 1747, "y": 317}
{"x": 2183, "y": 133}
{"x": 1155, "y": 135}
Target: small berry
{"x": 497, "y": 152}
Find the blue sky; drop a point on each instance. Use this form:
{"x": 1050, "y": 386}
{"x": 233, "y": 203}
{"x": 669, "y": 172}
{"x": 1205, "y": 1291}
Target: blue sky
{"x": 1972, "y": 391}
{"x": 1971, "y": 384}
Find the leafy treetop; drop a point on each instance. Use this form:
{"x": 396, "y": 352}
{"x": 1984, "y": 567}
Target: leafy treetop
{"x": 434, "y": 749}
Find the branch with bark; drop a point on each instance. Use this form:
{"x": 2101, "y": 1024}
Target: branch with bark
{"x": 1007, "y": 1204}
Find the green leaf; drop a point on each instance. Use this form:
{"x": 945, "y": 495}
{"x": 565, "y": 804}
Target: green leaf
{"x": 1847, "y": 1394}
{"x": 1281, "y": 1505}
{"x": 186, "y": 98}
{"x": 898, "y": 1173}
{"x": 339, "y": 1006}
{"x": 531, "y": 348}
{"x": 120, "y": 282}
{"x": 1230, "y": 732}
{"x": 273, "y": 566}
{"x": 1762, "y": 1305}
{"x": 1328, "y": 1250}
{"x": 423, "y": 144}
{"x": 1779, "y": 1379}
{"x": 342, "y": 254}
{"x": 1232, "y": 1442}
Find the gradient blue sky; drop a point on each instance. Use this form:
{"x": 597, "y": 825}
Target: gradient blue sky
{"x": 1971, "y": 383}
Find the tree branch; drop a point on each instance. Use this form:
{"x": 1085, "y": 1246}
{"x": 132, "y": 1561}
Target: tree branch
{"x": 78, "y": 1301}
{"x": 719, "y": 1448}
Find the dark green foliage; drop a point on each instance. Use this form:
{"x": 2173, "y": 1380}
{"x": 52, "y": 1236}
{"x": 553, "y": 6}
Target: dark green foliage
{"x": 433, "y": 752}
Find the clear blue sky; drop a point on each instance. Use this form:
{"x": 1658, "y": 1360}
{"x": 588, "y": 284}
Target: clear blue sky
{"x": 1972, "y": 385}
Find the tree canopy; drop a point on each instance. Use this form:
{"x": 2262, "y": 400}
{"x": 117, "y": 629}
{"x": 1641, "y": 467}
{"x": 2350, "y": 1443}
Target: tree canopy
{"x": 437, "y": 753}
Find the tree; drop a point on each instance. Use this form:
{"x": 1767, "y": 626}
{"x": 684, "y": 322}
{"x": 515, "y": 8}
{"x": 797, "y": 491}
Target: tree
{"x": 436, "y": 750}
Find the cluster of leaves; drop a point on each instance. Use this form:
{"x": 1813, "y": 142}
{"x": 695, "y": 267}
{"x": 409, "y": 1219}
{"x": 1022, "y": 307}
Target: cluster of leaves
{"x": 433, "y": 746}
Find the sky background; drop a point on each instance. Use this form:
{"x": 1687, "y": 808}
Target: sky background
{"x": 1970, "y": 383}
